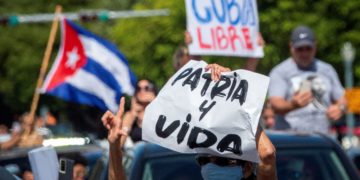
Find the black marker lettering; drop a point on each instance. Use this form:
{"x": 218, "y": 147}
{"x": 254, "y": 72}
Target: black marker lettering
{"x": 183, "y": 74}
{"x": 204, "y": 109}
{"x": 240, "y": 92}
{"x": 232, "y": 86}
{"x": 193, "y": 79}
{"x": 184, "y": 129}
{"x": 227, "y": 140}
{"x": 210, "y": 138}
{"x": 160, "y": 126}
{"x": 207, "y": 83}
{"x": 217, "y": 89}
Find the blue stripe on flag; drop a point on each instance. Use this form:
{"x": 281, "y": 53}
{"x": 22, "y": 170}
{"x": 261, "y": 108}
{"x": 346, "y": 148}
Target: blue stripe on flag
{"x": 108, "y": 45}
{"x": 105, "y": 76}
{"x": 72, "y": 94}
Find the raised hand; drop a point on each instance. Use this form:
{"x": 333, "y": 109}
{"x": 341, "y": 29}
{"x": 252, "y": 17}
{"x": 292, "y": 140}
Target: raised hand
{"x": 187, "y": 38}
{"x": 113, "y": 123}
{"x": 216, "y": 71}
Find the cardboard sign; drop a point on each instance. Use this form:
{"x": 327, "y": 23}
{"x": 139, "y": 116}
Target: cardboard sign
{"x": 227, "y": 28}
{"x": 193, "y": 114}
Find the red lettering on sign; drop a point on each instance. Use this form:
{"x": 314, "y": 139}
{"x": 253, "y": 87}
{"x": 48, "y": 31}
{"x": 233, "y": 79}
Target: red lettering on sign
{"x": 202, "y": 44}
{"x": 233, "y": 37}
{"x": 248, "y": 43}
{"x": 221, "y": 38}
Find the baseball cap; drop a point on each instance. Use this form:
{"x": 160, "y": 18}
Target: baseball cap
{"x": 302, "y": 36}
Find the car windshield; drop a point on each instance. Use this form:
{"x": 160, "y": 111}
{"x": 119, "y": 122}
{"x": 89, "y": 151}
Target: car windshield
{"x": 172, "y": 167}
{"x": 299, "y": 164}
{"x": 292, "y": 164}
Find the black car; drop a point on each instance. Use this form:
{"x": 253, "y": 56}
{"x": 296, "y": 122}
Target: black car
{"x": 299, "y": 156}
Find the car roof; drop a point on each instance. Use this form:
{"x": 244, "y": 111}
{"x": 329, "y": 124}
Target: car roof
{"x": 280, "y": 139}
{"x": 284, "y": 139}
{"x": 23, "y": 152}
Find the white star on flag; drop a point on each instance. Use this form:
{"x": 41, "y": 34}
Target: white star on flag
{"x": 72, "y": 58}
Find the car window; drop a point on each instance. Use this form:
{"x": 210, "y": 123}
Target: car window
{"x": 172, "y": 167}
{"x": 309, "y": 164}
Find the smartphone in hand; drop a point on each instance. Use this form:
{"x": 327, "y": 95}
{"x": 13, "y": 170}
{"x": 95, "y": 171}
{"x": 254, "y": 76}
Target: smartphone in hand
{"x": 305, "y": 86}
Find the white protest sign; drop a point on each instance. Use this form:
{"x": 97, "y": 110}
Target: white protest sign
{"x": 228, "y": 28}
{"x": 193, "y": 114}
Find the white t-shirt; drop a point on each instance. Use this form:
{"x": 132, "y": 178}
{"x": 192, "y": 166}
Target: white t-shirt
{"x": 321, "y": 78}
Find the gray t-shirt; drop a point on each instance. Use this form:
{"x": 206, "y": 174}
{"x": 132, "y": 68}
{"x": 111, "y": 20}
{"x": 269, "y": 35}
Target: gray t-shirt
{"x": 321, "y": 78}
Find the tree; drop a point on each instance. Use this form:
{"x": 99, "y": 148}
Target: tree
{"x": 148, "y": 43}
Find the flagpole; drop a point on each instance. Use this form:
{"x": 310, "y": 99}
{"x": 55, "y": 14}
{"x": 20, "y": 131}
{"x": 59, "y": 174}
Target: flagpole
{"x": 45, "y": 61}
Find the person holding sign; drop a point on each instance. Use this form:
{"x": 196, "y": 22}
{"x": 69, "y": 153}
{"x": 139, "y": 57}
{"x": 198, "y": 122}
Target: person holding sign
{"x": 214, "y": 115}
{"x": 215, "y": 167}
{"x": 305, "y": 92}
{"x": 113, "y": 123}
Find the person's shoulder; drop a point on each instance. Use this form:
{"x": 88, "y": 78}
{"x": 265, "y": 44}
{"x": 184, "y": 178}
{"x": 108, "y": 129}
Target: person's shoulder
{"x": 324, "y": 66}
{"x": 283, "y": 66}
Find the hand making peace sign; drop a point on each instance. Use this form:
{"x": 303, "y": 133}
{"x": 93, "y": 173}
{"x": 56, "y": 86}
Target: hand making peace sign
{"x": 113, "y": 123}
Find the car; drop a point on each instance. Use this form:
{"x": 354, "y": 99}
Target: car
{"x": 354, "y": 154}
{"x": 16, "y": 160}
{"x": 298, "y": 156}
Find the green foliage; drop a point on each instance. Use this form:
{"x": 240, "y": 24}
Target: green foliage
{"x": 334, "y": 22}
{"x": 148, "y": 43}
{"x": 22, "y": 48}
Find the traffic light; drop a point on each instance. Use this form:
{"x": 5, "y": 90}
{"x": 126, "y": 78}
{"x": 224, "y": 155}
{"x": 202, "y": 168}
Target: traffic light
{"x": 9, "y": 20}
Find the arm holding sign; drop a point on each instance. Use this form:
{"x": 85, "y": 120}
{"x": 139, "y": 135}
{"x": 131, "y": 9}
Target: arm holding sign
{"x": 266, "y": 150}
{"x": 113, "y": 124}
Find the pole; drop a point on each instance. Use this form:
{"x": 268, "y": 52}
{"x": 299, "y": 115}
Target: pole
{"x": 45, "y": 62}
{"x": 349, "y": 84}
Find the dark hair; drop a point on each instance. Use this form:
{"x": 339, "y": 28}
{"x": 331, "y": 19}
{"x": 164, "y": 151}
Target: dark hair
{"x": 180, "y": 53}
{"x": 151, "y": 84}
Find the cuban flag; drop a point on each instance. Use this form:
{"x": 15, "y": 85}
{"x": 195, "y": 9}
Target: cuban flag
{"x": 88, "y": 70}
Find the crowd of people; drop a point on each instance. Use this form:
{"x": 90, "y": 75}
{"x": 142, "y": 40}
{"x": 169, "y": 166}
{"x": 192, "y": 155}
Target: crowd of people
{"x": 304, "y": 95}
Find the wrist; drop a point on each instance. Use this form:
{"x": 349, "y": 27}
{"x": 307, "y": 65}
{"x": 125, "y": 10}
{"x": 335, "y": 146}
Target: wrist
{"x": 293, "y": 104}
{"x": 133, "y": 113}
{"x": 342, "y": 108}
{"x": 115, "y": 144}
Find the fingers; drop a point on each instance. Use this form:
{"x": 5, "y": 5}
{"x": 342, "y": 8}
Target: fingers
{"x": 124, "y": 131}
{"x": 216, "y": 71}
{"x": 302, "y": 99}
{"x": 107, "y": 118}
{"x": 334, "y": 112}
{"x": 188, "y": 38}
{"x": 260, "y": 40}
{"x": 121, "y": 108}
{"x": 307, "y": 95}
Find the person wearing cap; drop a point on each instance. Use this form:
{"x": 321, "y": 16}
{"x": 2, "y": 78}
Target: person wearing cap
{"x": 305, "y": 92}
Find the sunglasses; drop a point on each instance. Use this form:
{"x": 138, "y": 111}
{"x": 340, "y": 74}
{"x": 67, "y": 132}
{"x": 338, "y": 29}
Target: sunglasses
{"x": 148, "y": 88}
